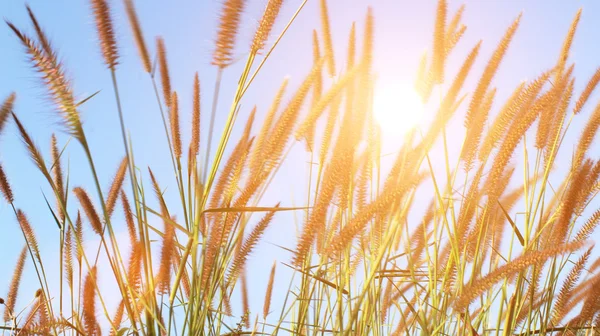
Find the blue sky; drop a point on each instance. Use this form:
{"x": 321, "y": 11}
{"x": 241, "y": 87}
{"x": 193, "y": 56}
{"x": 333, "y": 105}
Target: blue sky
{"x": 403, "y": 31}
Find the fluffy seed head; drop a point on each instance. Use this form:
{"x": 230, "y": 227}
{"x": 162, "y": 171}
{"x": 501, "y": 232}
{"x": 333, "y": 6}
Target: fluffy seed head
{"x": 89, "y": 209}
{"x": 6, "y": 109}
{"x": 138, "y": 36}
{"x": 227, "y": 32}
{"x": 108, "y": 43}
{"x": 5, "y": 188}
{"x": 266, "y": 24}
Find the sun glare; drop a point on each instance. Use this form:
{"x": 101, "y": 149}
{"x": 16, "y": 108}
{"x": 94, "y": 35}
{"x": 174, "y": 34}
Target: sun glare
{"x": 397, "y": 108}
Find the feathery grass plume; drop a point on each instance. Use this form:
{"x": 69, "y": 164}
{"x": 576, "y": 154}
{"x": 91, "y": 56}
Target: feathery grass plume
{"x": 326, "y": 100}
{"x": 265, "y": 25}
{"x": 478, "y": 286}
{"x": 245, "y": 301}
{"x": 30, "y": 326}
{"x": 550, "y": 105}
{"x": 589, "y": 308}
{"x": 5, "y": 188}
{"x": 587, "y": 136}
{"x": 134, "y": 275}
{"x": 226, "y": 177}
{"x": 421, "y": 78}
{"x": 391, "y": 193}
{"x": 368, "y": 37}
{"x": 317, "y": 91}
{"x": 269, "y": 292}
{"x": 79, "y": 237}
{"x": 506, "y": 115}
{"x": 514, "y": 134}
{"x": 333, "y": 177}
{"x": 29, "y": 234}
{"x": 586, "y": 190}
{"x": 11, "y": 298}
{"x": 446, "y": 109}
{"x": 454, "y": 23}
{"x": 351, "y": 47}
{"x": 489, "y": 72}
{"x": 138, "y": 36}
{"x": 89, "y": 209}
{"x": 282, "y": 130}
{"x": 195, "y": 142}
{"x": 566, "y": 291}
{"x": 129, "y": 218}
{"x": 258, "y": 151}
{"x": 236, "y": 174}
{"x": 117, "y": 318}
{"x": 108, "y": 43}
{"x": 55, "y": 80}
{"x": 89, "y": 302}
{"x": 556, "y": 125}
{"x": 564, "y": 53}
{"x": 588, "y": 227}
{"x": 163, "y": 280}
{"x": 58, "y": 177}
{"x": 327, "y": 41}
{"x": 239, "y": 261}
{"x": 453, "y": 40}
{"x": 473, "y": 136}
{"x": 587, "y": 92}
{"x": 68, "y": 256}
{"x": 174, "y": 122}
{"x": 163, "y": 68}
{"x": 439, "y": 51}
{"x": 113, "y": 193}
{"x": 6, "y": 109}
{"x": 34, "y": 152}
{"x": 43, "y": 39}
{"x": 332, "y": 119}
{"x": 229, "y": 25}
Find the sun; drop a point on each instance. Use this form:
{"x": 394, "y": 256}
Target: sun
{"x": 397, "y": 108}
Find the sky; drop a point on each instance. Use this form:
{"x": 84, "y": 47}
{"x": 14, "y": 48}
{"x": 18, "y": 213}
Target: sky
{"x": 403, "y": 31}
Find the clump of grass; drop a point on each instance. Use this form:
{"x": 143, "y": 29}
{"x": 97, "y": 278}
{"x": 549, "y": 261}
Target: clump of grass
{"x": 362, "y": 263}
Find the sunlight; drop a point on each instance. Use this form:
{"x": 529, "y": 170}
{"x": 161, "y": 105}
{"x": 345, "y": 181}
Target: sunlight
{"x": 397, "y": 108}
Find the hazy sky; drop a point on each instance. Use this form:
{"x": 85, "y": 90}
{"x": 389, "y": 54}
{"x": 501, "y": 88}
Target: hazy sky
{"x": 403, "y": 31}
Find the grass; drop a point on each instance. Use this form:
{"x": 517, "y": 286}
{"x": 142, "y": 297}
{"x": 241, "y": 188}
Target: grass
{"x": 362, "y": 264}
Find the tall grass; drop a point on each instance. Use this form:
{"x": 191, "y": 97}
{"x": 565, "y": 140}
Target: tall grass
{"x": 361, "y": 265}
